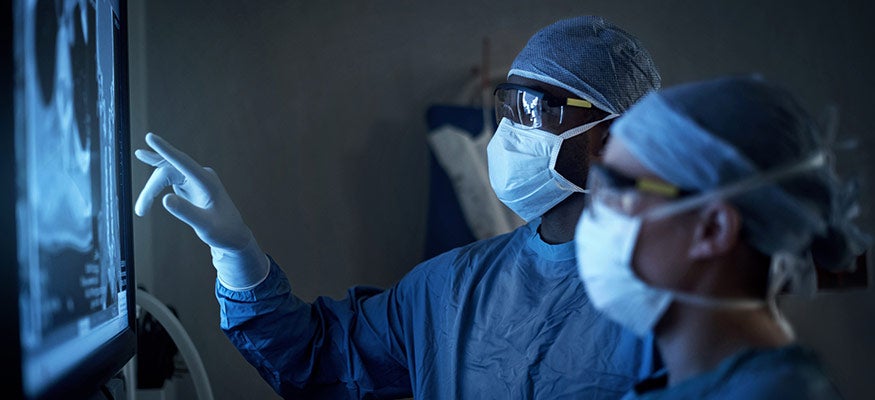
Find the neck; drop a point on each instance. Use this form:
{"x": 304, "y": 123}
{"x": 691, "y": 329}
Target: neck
{"x": 695, "y": 339}
{"x": 558, "y": 223}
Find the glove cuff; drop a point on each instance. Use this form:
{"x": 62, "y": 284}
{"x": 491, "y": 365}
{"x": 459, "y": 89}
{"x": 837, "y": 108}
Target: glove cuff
{"x": 242, "y": 269}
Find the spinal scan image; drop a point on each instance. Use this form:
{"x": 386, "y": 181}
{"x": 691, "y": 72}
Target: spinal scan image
{"x": 67, "y": 211}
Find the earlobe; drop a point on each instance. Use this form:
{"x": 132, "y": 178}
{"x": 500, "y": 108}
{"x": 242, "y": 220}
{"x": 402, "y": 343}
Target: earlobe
{"x": 717, "y": 231}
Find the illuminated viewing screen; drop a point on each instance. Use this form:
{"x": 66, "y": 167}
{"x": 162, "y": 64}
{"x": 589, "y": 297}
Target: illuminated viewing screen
{"x": 73, "y": 296}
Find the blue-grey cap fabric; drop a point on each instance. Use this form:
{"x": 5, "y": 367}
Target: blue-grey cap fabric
{"x": 708, "y": 134}
{"x": 592, "y": 58}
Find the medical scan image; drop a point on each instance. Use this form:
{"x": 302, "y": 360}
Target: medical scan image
{"x": 68, "y": 205}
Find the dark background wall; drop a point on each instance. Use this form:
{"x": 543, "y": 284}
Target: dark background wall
{"x": 313, "y": 114}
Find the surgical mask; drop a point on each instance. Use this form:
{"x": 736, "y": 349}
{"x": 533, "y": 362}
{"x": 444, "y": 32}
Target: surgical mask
{"x": 606, "y": 239}
{"x": 522, "y": 167}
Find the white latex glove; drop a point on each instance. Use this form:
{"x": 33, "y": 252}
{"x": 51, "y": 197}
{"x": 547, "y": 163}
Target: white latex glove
{"x": 200, "y": 200}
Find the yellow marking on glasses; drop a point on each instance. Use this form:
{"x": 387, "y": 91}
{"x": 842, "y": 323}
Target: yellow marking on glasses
{"x": 578, "y": 103}
{"x": 663, "y": 189}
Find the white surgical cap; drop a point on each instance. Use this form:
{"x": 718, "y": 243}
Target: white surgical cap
{"x": 708, "y": 134}
{"x": 592, "y": 58}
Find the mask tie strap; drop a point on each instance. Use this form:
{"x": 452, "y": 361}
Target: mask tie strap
{"x": 563, "y": 182}
{"x": 782, "y": 269}
{"x": 731, "y": 304}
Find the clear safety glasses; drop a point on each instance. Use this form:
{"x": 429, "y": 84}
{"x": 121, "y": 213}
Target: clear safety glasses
{"x": 641, "y": 196}
{"x": 630, "y": 196}
{"x": 531, "y": 108}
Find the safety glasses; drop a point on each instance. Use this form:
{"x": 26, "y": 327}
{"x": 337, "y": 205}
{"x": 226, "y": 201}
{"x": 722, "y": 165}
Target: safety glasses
{"x": 531, "y": 108}
{"x": 626, "y": 194}
{"x": 629, "y": 195}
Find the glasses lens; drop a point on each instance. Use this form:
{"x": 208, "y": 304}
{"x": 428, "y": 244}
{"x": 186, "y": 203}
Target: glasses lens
{"x": 529, "y": 107}
{"x": 605, "y": 188}
{"x": 519, "y": 105}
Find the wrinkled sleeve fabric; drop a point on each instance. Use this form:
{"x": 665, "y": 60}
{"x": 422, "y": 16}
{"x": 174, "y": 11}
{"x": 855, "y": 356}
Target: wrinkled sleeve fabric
{"x": 349, "y": 348}
{"x": 501, "y": 318}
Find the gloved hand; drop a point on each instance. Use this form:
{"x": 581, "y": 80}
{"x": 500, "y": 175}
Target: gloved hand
{"x": 200, "y": 200}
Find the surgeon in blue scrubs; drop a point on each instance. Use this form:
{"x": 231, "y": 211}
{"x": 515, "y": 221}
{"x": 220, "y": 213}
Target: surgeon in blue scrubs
{"x": 712, "y": 198}
{"x": 502, "y": 318}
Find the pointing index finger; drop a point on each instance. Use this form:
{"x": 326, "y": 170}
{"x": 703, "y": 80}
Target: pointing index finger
{"x": 181, "y": 161}
{"x": 149, "y": 157}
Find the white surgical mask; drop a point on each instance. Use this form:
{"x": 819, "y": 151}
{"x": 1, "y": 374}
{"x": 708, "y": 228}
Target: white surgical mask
{"x": 522, "y": 167}
{"x": 605, "y": 242}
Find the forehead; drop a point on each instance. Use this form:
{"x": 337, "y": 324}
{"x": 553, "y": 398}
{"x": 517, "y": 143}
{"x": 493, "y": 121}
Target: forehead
{"x": 618, "y": 157}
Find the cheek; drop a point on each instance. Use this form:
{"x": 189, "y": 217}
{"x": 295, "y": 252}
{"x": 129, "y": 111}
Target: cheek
{"x": 660, "y": 254}
{"x": 572, "y": 160}
{"x": 598, "y": 139}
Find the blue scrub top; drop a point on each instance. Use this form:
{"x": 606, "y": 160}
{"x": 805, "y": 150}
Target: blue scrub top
{"x": 791, "y": 372}
{"x": 501, "y": 318}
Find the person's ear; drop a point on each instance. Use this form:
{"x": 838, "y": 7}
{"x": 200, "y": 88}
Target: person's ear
{"x": 717, "y": 231}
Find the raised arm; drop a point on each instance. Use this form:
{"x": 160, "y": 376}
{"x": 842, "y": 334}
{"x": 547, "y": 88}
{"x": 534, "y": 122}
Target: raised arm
{"x": 350, "y": 348}
{"x": 200, "y": 200}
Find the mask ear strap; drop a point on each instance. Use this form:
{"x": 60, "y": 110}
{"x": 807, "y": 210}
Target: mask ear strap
{"x": 729, "y": 304}
{"x": 783, "y": 268}
{"x": 585, "y": 127}
{"x": 562, "y": 181}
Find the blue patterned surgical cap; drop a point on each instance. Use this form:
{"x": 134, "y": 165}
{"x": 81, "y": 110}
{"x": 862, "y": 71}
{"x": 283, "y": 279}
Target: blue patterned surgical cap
{"x": 592, "y": 58}
{"x": 708, "y": 134}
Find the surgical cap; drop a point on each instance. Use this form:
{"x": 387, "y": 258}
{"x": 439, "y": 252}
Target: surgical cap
{"x": 708, "y": 134}
{"x": 592, "y": 58}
